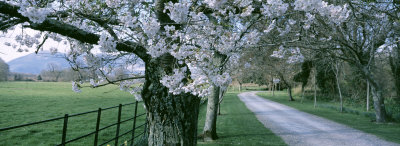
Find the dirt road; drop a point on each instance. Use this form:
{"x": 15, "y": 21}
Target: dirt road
{"x": 302, "y": 129}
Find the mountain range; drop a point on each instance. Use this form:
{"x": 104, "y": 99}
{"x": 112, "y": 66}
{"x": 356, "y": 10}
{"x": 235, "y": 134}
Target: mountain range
{"x": 35, "y": 63}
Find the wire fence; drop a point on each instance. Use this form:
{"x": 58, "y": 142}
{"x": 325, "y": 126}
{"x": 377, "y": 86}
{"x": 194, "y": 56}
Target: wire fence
{"x": 135, "y": 132}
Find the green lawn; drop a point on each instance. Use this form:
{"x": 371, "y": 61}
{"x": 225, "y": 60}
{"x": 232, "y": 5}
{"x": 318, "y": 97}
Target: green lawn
{"x": 25, "y": 102}
{"x": 389, "y": 131}
{"x": 237, "y": 125}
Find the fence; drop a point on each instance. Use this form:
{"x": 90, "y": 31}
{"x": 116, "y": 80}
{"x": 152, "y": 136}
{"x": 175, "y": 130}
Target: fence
{"x": 64, "y": 141}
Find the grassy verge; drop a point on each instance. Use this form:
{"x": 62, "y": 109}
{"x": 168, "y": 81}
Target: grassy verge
{"x": 388, "y": 131}
{"x": 238, "y": 126}
{"x": 26, "y": 102}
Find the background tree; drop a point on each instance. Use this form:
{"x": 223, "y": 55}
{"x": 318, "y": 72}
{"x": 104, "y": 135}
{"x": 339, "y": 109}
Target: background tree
{"x": 53, "y": 72}
{"x": 357, "y": 41}
{"x": 394, "y": 60}
{"x": 4, "y": 70}
{"x": 393, "y": 45}
{"x": 39, "y": 78}
{"x": 265, "y": 64}
{"x": 303, "y": 76}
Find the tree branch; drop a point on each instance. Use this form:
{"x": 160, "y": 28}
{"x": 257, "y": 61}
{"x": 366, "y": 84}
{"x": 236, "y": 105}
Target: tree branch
{"x": 71, "y": 31}
{"x": 115, "y": 81}
{"x": 7, "y": 24}
{"x": 41, "y": 44}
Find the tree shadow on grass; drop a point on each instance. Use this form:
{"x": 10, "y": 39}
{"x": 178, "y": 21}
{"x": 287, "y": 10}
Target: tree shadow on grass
{"x": 229, "y": 136}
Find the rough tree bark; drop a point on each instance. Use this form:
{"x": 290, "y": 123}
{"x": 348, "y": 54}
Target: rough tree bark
{"x": 377, "y": 97}
{"x": 172, "y": 118}
{"x": 379, "y": 105}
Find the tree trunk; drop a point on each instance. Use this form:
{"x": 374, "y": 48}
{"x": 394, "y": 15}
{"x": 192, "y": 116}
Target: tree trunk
{"x": 219, "y": 108}
{"x": 58, "y": 76}
{"x": 302, "y": 93}
{"x": 273, "y": 89}
{"x": 377, "y": 97}
{"x": 340, "y": 95}
{"x": 221, "y": 97}
{"x": 172, "y": 119}
{"x": 338, "y": 86}
{"x": 394, "y": 60}
{"x": 379, "y": 104}
{"x": 290, "y": 93}
{"x": 368, "y": 95}
{"x": 210, "y": 125}
{"x": 315, "y": 91}
{"x": 279, "y": 87}
{"x": 240, "y": 87}
{"x": 287, "y": 84}
{"x": 269, "y": 88}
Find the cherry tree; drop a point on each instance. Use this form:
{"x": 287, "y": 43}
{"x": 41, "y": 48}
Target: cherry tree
{"x": 270, "y": 62}
{"x": 355, "y": 40}
{"x": 393, "y": 41}
{"x": 176, "y": 40}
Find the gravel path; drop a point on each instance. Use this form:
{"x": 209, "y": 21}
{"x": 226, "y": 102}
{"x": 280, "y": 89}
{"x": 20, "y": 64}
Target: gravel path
{"x": 302, "y": 129}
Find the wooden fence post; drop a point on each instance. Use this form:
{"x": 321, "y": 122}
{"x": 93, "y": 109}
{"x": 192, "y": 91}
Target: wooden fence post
{"x": 96, "y": 135}
{"x": 134, "y": 124}
{"x": 118, "y": 124}
{"x": 64, "y": 132}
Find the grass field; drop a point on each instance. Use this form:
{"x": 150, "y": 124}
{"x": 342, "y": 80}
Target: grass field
{"x": 237, "y": 125}
{"x": 25, "y": 102}
{"x": 389, "y": 131}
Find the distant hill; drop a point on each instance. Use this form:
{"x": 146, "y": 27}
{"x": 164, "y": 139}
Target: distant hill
{"x": 35, "y": 63}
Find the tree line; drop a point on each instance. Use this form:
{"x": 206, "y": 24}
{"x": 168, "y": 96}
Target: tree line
{"x": 4, "y": 70}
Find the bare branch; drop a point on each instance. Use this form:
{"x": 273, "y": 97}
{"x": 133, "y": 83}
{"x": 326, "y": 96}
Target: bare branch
{"x": 41, "y": 44}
